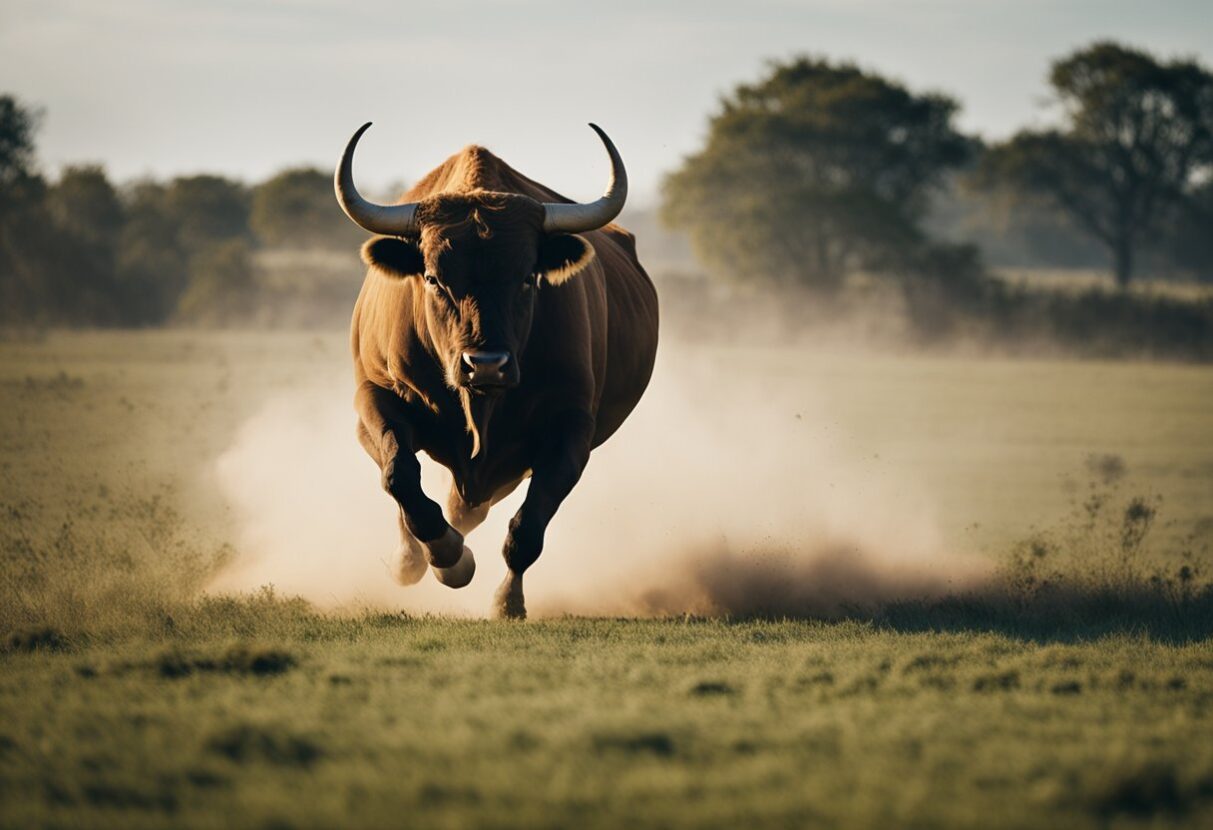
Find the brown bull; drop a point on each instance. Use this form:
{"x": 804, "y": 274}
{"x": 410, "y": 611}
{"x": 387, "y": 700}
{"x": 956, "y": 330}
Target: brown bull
{"x": 505, "y": 332}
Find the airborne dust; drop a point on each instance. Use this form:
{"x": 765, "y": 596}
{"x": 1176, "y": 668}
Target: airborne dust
{"x": 727, "y": 491}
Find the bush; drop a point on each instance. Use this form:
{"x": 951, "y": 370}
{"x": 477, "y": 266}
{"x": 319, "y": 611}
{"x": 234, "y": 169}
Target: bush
{"x": 1102, "y": 323}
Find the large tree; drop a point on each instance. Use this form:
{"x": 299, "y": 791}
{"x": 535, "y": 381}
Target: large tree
{"x": 816, "y": 170}
{"x": 1137, "y": 135}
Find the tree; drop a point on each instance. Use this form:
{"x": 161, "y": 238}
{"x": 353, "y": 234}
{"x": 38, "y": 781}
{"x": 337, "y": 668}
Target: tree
{"x": 207, "y": 210}
{"x": 57, "y": 241}
{"x": 152, "y": 265}
{"x": 1136, "y": 135}
{"x": 87, "y": 218}
{"x": 816, "y": 170}
{"x": 23, "y": 219}
{"x": 17, "y": 127}
{"x": 296, "y": 207}
{"x": 84, "y": 200}
{"x": 77, "y": 251}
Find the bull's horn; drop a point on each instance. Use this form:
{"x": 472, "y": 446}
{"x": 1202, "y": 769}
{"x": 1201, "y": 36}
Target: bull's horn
{"x": 390, "y": 220}
{"x": 572, "y": 218}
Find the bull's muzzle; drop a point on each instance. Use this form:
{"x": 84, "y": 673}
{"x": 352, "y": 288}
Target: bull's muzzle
{"x": 483, "y": 368}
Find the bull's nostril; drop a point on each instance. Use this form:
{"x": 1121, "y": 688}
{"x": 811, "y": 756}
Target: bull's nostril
{"x": 485, "y": 360}
{"x": 485, "y": 368}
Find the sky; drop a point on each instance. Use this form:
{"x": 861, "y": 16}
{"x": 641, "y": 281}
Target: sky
{"x": 248, "y": 87}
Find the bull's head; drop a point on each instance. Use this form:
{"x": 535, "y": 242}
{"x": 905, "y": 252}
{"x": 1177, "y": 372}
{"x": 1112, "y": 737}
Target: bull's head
{"x": 482, "y": 257}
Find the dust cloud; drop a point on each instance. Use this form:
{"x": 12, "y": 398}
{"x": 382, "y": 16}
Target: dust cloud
{"x": 728, "y": 491}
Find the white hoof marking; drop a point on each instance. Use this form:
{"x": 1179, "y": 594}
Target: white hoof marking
{"x": 446, "y": 550}
{"x": 460, "y": 573}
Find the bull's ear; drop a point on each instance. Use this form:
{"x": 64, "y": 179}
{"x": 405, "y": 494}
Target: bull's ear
{"x": 562, "y": 255}
{"x": 393, "y": 256}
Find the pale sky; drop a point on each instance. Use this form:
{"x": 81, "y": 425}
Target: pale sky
{"x": 246, "y": 87}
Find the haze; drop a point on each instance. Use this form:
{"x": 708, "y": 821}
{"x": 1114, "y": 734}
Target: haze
{"x": 246, "y": 88}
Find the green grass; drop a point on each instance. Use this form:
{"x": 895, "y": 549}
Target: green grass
{"x": 1073, "y": 691}
{"x": 384, "y": 721}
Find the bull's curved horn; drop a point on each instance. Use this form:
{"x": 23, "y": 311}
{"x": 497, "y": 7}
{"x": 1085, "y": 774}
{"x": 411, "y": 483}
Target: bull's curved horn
{"x": 390, "y": 220}
{"x": 587, "y": 217}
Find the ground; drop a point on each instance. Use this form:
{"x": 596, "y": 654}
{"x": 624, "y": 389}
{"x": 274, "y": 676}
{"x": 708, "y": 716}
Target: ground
{"x": 128, "y": 701}
{"x": 393, "y": 722}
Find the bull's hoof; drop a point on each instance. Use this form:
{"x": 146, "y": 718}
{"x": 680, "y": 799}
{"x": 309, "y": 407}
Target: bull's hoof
{"x": 445, "y": 551}
{"x": 508, "y": 602}
{"x": 460, "y": 573}
{"x": 410, "y": 562}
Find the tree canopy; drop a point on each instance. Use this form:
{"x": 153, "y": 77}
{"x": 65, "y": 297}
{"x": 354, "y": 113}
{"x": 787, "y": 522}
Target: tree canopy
{"x": 816, "y": 170}
{"x": 1136, "y": 138}
{"x": 78, "y": 250}
{"x": 17, "y": 127}
{"x": 208, "y": 209}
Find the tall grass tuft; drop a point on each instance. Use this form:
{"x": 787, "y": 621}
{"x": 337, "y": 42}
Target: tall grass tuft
{"x": 1097, "y": 571}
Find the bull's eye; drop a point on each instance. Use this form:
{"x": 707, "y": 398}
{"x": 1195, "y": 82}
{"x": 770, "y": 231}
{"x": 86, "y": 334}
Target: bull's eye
{"x": 431, "y": 280}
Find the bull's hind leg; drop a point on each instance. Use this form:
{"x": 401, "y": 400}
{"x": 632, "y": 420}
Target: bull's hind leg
{"x": 388, "y": 437}
{"x": 558, "y": 466}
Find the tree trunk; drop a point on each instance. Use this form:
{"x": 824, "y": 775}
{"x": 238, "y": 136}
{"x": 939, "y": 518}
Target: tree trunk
{"x": 1122, "y": 260}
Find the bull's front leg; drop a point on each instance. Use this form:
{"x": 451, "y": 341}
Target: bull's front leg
{"x": 556, "y": 469}
{"x": 387, "y": 433}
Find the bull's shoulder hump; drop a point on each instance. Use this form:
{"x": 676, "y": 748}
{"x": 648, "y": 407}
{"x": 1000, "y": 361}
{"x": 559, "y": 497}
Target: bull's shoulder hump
{"x": 622, "y": 237}
{"x": 474, "y": 168}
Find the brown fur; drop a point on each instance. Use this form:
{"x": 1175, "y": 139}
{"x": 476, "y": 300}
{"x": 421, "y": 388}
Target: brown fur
{"x": 584, "y": 343}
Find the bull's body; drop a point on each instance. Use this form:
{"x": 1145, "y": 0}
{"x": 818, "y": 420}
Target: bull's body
{"x": 584, "y": 367}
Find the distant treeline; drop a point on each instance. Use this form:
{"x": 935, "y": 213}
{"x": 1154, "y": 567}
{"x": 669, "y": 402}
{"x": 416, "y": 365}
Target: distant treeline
{"x": 79, "y": 250}
{"x": 816, "y": 176}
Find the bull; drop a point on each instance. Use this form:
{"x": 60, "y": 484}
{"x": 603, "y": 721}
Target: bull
{"x": 504, "y": 331}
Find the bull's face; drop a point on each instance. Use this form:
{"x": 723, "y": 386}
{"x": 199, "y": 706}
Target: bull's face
{"x": 480, "y": 262}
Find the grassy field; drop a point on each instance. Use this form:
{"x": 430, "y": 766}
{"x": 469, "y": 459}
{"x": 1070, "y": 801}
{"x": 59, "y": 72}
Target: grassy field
{"x": 271, "y": 717}
{"x": 1075, "y": 690}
